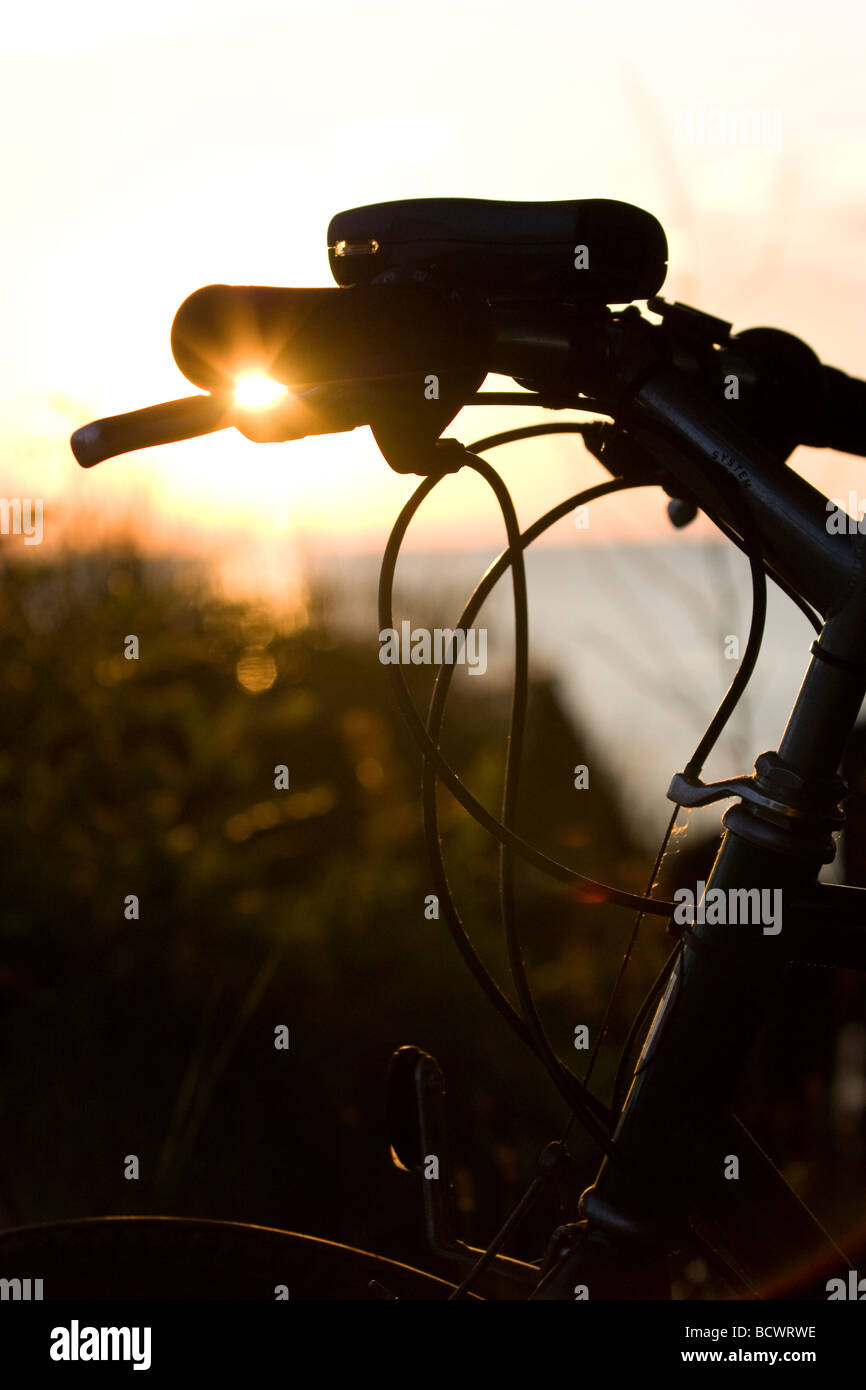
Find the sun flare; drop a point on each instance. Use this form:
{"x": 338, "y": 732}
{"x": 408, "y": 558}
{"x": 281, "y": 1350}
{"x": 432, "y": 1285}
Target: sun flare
{"x": 257, "y": 391}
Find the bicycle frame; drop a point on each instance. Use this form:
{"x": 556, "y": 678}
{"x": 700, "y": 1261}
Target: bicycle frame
{"x": 675, "y": 1129}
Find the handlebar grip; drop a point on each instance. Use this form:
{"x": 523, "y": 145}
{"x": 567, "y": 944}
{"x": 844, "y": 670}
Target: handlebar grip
{"x": 309, "y": 337}
{"x": 156, "y": 424}
{"x": 841, "y": 422}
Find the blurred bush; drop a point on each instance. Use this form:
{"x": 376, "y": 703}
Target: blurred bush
{"x": 301, "y": 907}
{"x": 260, "y": 907}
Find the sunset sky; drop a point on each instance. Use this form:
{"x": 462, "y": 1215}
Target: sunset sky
{"x": 148, "y": 150}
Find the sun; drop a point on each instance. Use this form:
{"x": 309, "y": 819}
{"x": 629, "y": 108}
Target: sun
{"x": 257, "y": 391}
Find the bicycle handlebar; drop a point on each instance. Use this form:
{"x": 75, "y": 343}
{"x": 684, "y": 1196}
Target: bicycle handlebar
{"x": 304, "y": 337}
{"x": 367, "y": 339}
{"x": 155, "y": 424}
{"x": 444, "y": 291}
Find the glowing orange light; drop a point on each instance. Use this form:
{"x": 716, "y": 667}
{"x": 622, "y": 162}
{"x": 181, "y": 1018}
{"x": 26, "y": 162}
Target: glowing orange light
{"x": 256, "y": 391}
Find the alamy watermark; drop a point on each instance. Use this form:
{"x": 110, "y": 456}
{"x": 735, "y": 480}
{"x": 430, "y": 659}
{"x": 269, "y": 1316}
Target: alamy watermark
{"x": 854, "y": 1289}
{"x": 846, "y": 523}
{"x": 21, "y": 1290}
{"x": 443, "y": 646}
{"x": 22, "y": 516}
{"x": 77, "y": 1343}
{"x": 757, "y": 126}
{"x": 730, "y": 907}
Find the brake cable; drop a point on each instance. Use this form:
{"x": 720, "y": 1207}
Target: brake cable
{"x": 514, "y": 747}
{"x": 532, "y": 431}
{"x": 512, "y": 436}
{"x": 441, "y": 686}
{"x": 530, "y": 1028}
{"x": 593, "y": 891}
{"x": 586, "y": 1107}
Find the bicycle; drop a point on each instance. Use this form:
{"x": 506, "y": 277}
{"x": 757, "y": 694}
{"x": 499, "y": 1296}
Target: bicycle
{"x": 433, "y": 295}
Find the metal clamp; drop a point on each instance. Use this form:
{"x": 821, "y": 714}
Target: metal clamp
{"x": 691, "y": 791}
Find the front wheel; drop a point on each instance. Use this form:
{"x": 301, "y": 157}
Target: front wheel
{"x": 172, "y": 1258}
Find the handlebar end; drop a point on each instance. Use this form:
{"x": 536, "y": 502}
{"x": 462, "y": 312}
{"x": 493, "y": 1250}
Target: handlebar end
{"x": 144, "y": 429}
{"x": 85, "y": 445}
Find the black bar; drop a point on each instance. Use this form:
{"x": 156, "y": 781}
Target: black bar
{"x": 264, "y": 1344}
{"x": 791, "y": 516}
